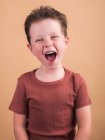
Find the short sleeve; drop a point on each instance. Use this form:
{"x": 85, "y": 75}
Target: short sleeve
{"x": 82, "y": 98}
{"x": 19, "y": 101}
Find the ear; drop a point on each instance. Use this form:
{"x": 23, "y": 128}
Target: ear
{"x": 29, "y": 47}
{"x": 66, "y": 41}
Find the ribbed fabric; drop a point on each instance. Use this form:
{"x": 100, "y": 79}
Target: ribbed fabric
{"x": 50, "y": 106}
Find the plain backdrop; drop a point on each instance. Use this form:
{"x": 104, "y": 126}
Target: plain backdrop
{"x": 85, "y": 53}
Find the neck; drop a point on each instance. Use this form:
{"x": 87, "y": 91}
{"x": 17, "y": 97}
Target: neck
{"x": 51, "y": 70}
{"x": 50, "y": 74}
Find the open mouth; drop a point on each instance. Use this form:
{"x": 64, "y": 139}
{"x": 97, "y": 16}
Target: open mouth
{"x": 50, "y": 55}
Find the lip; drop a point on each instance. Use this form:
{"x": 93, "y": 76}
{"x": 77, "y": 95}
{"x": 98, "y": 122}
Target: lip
{"x": 50, "y": 55}
{"x": 50, "y": 51}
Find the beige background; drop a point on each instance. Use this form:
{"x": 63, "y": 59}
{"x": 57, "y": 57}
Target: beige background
{"x": 85, "y": 54}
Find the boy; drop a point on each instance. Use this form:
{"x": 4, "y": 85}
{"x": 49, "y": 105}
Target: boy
{"x": 50, "y": 100}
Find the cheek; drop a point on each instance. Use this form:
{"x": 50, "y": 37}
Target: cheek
{"x": 62, "y": 46}
{"x": 61, "y": 51}
{"x": 37, "y": 51}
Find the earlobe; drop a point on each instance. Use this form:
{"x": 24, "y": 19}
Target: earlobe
{"x": 29, "y": 47}
{"x": 67, "y": 41}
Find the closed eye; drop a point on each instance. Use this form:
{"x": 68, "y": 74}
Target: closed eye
{"x": 38, "y": 40}
{"x": 54, "y": 37}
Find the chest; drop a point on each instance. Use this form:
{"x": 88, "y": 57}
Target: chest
{"x": 51, "y": 98}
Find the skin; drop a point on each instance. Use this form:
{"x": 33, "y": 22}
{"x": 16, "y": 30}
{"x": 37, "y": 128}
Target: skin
{"x": 47, "y": 35}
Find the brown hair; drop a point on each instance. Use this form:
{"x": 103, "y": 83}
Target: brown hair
{"x": 42, "y": 13}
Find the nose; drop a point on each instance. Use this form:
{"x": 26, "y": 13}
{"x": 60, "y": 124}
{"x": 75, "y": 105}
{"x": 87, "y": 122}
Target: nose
{"x": 47, "y": 42}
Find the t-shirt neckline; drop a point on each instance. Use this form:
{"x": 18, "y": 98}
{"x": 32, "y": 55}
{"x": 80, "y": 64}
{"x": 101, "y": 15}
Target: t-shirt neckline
{"x": 48, "y": 83}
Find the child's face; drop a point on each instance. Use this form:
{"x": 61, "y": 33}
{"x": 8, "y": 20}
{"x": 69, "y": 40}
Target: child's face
{"x": 48, "y": 42}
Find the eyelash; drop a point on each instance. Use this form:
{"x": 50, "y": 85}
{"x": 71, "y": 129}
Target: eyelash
{"x": 38, "y": 40}
{"x": 53, "y": 37}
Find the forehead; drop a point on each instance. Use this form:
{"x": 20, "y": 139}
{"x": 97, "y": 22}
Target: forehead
{"x": 45, "y": 26}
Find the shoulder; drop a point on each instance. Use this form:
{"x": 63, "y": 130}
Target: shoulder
{"x": 77, "y": 79}
{"x": 26, "y": 76}
{"x": 77, "y": 76}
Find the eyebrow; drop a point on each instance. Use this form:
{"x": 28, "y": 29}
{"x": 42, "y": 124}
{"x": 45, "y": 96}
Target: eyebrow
{"x": 53, "y": 33}
{"x": 38, "y": 35}
{"x": 42, "y": 35}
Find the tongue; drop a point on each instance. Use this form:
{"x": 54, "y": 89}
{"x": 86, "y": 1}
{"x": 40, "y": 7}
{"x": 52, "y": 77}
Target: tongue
{"x": 51, "y": 57}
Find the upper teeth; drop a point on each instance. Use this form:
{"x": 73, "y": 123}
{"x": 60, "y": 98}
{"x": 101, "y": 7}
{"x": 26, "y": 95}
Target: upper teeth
{"x": 50, "y": 52}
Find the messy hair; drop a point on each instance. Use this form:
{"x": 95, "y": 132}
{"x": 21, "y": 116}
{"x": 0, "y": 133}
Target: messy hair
{"x": 45, "y": 12}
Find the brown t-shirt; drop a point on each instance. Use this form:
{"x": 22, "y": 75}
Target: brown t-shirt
{"x": 50, "y": 106}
